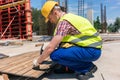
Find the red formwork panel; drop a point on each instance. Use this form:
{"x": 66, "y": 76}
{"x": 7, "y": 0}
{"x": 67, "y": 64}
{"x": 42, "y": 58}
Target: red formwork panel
{"x": 16, "y": 21}
{"x": 0, "y": 23}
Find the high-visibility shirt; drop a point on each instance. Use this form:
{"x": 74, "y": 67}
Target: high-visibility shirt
{"x": 88, "y": 36}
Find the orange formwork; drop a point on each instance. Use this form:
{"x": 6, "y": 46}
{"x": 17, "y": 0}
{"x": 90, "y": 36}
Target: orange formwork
{"x": 15, "y": 20}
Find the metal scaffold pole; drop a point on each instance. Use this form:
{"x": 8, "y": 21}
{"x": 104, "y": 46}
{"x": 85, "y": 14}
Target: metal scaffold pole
{"x": 81, "y": 7}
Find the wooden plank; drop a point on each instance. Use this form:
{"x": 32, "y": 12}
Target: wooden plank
{"x": 22, "y": 65}
{"x": 28, "y": 69}
{"x": 16, "y": 60}
{"x": 12, "y": 64}
{"x": 39, "y": 44}
{"x": 18, "y": 64}
{"x": 37, "y": 73}
{"x": 4, "y": 77}
{"x": 10, "y": 60}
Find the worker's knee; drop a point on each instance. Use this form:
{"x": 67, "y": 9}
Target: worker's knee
{"x": 53, "y": 56}
{"x": 57, "y": 55}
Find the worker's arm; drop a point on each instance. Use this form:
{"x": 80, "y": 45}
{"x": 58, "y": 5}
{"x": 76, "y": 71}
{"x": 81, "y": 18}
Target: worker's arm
{"x": 50, "y": 48}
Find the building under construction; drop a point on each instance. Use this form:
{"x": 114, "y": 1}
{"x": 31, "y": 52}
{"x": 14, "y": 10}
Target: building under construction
{"x": 15, "y": 19}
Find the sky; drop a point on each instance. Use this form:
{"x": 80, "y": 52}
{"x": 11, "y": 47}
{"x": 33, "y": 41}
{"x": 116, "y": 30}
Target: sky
{"x": 112, "y": 7}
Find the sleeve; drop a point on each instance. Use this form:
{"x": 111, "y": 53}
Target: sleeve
{"x": 62, "y": 28}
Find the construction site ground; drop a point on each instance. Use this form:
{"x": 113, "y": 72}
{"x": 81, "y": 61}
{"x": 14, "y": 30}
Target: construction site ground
{"x": 108, "y": 64}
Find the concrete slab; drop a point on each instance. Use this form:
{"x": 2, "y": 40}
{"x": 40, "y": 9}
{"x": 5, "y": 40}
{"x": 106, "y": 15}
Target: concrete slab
{"x": 18, "y": 49}
{"x": 27, "y": 46}
{"x": 109, "y": 62}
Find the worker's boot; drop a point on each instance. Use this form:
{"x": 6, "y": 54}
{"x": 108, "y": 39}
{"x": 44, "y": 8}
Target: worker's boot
{"x": 63, "y": 69}
{"x": 84, "y": 76}
{"x": 87, "y": 75}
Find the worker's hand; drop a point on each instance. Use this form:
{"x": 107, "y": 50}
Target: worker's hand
{"x": 35, "y": 62}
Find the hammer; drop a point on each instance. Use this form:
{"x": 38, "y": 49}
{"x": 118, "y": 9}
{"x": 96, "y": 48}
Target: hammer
{"x": 38, "y": 67}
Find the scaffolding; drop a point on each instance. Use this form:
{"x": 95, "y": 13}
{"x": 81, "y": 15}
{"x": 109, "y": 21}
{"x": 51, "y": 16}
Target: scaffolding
{"x": 81, "y": 8}
{"x": 15, "y": 19}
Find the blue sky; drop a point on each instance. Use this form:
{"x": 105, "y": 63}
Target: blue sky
{"x": 112, "y": 6}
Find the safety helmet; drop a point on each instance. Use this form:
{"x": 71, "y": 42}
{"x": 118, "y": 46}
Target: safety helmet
{"x": 47, "y": 7}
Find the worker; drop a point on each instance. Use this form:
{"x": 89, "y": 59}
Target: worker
{"x": 79, "y": 43}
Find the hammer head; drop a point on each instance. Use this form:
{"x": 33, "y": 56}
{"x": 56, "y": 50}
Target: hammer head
{"x": 41, "y": 50}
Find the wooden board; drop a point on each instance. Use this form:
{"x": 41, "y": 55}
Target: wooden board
{"x": 4, "y": 77}
{"x": 21, "y": 65}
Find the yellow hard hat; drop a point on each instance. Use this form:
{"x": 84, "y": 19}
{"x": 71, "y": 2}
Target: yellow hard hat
{"x": 47, "y": 7}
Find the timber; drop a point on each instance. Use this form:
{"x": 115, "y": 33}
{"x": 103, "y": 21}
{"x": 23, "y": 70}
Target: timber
{"x": 39, "y": 44}
{"x": 21, "y": 65}
{"x": 4, "y": 77}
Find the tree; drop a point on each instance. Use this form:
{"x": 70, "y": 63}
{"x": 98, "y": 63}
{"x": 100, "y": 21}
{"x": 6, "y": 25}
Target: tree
{"x": 43, "y": 26}
{"x": 39, "y": 25}
{"x": 111, "y": 28}
{"x": 117, "y": 23}
{"x": 35, "y": 19}
{"x": 114, "y": 27}
{"x": 97, "y": 24}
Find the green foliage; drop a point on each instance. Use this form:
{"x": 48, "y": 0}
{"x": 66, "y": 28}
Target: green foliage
{"x": 39, "y": 25}
{"x": 35, "y": 19}
{"x": 97, "y": 24}
{"x": 117, "y": 23}
{"x": 43, "y": 26}
{"x": 111, "y": 28}
{"x": 114, "y": 27}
